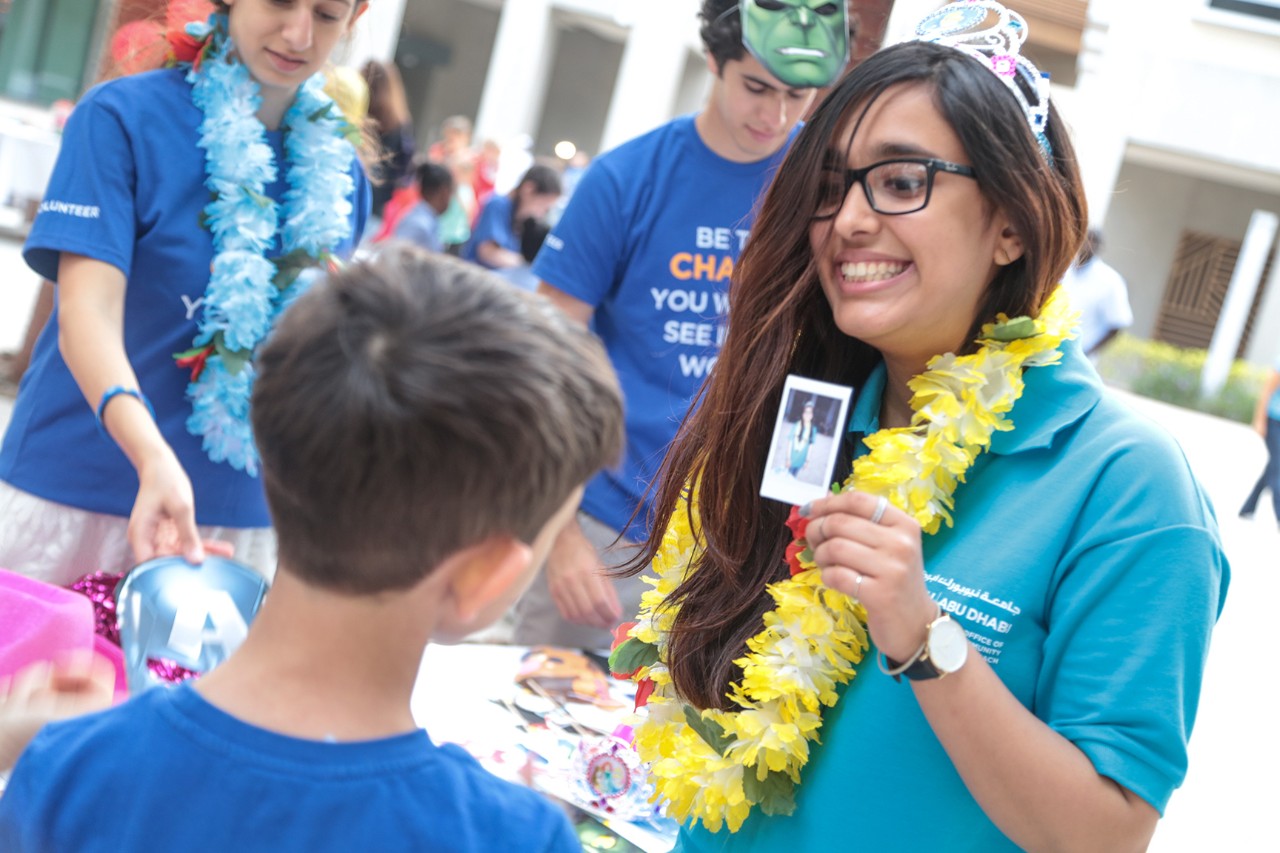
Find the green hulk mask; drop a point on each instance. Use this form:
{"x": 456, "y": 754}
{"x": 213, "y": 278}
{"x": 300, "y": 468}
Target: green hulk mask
{"x": 804, "y": 43}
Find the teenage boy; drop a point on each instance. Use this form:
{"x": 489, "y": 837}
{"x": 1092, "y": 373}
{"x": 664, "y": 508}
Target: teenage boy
{"x": 424, "y": 431}
{"x": 644, "y": 252}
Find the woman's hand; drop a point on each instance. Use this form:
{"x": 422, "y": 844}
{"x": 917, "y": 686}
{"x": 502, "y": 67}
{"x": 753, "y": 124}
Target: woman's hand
{"x": 163, "y": 520}
{"x": 879, "y": 563}
{"x": 581, "y": 591}
{"x": 91, "y": 338}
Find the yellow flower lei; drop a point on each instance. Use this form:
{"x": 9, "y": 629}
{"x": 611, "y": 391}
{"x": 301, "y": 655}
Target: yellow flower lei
{"x": 814, "y": 636}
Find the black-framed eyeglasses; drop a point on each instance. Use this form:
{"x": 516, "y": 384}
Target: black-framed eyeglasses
{"x": 892, "y": 187}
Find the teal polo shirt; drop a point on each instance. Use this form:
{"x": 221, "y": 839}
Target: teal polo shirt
{"x": 1086, "y": 567}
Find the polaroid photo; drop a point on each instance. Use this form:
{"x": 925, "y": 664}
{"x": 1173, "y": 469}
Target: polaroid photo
{"x": 806, "y": 440}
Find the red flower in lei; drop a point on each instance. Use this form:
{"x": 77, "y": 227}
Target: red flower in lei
{"x": 194, "y": 359}
{"x": 644, "y": 689}
{"x": 798, "y": 525}
{"x": 620, "y": 637}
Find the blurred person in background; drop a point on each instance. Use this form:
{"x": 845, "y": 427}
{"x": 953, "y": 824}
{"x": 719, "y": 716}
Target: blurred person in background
{"x": 392, "y": 122}
{"x": 1099, "y": 293}
{"x": 1266, "y": 422}
{"x": 421, "y": 224}
{"x": 496, "y": 240}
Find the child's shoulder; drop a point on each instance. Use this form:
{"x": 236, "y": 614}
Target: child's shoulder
{"x": 509, "y": 806}
{"x": 88, "y": 751}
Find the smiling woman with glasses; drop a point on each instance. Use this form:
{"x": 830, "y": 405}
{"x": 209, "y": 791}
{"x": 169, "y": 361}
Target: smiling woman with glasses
{"x": 930, "y": 656}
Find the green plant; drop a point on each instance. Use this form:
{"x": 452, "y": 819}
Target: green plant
{"x": 1172, "y": 375}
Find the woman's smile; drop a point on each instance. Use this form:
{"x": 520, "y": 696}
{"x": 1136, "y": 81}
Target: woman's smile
{"x": 283, "y": 63}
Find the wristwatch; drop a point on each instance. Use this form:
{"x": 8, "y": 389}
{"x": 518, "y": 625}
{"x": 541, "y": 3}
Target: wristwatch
{"x": 944, "y": 651}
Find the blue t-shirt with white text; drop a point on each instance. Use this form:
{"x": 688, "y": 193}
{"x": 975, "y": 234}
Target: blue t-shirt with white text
{"x": 649, "y": 241}
{"x": 128, "y": 189}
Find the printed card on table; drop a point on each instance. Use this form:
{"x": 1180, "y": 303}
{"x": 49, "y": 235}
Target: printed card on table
{"x": 806, "y": 440}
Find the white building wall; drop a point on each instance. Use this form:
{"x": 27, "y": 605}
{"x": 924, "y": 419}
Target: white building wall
{"x": 695, "y": 85}
{"x": 578, "y": 96}
{"x": 376, "y": 33}
{"x": 1155, "y": 73}
{"x": 516, "y": 84}
{"x": 1146, "y": 220}
{"x": 437, "y": 92}
{"x": 1203, "y": 89}
{"x": 652, "y": 69}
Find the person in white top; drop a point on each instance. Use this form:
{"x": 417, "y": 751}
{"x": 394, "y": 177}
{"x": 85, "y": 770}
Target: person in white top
{"x": 1099, "y": 293}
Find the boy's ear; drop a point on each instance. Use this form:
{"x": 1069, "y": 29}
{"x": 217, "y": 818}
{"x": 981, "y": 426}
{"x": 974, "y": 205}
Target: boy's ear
{"x": 485, "y": 574}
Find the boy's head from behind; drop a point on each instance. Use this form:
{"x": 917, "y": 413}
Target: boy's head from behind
{"x": 413, "y": 407}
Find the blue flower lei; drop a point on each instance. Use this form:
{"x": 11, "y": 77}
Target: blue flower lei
{"x": 247, "y": 291}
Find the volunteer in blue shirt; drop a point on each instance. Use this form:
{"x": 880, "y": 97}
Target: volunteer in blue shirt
{"x": 130, "y": 435}
{"x": 993, "y": 637}
{"x": 644, "y": 253}
{"x": 495, "y": 239}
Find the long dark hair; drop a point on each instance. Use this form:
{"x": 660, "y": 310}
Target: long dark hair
{"x": 541, "y": 180}
{"x": 780, "y": 323}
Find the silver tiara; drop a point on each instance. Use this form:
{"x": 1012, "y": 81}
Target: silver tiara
{"x": 994, "y": 35}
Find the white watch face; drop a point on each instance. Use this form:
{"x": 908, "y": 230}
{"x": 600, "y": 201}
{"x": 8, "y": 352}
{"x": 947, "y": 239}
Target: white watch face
{"x": 948, "y": 646}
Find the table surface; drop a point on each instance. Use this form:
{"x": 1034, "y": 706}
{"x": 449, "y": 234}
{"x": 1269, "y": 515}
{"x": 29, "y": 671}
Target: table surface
{"x": 459, "y": 697}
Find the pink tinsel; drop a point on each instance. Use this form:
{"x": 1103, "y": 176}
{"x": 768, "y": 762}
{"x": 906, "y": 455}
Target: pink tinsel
{"x": 100, "y": 588}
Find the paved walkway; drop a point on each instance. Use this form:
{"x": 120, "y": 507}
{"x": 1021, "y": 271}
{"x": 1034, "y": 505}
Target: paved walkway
{"x": 1227, "y": 800}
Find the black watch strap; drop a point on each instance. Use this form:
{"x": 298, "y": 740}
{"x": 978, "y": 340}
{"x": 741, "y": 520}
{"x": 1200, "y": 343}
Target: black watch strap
{"x": 922, "y": 669}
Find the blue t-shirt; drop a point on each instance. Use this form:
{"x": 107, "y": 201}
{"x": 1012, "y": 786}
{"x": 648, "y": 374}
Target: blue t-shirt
{"x": 1086, "y": 567}
{"x": 168, "y": 771}
{"x": 649, "y": 241}
{"x": 493, "y": 225}
{"x": 128, "y": 189}
{"x": 421, "y": 226}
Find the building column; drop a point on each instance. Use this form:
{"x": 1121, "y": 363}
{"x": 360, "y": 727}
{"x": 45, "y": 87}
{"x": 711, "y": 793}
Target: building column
{"x": 650, "y": 74}
{"x": 1235, "y": 307}
{"x": 516, "y": 86}
{"x": 1264, "y": 345}
{"x": 376, "y": 34}
{"x": 1100, "y": 130}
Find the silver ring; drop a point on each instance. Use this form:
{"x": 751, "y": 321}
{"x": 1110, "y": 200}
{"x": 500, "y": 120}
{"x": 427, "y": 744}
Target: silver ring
{"x": 857, "y": 587}
{"x": 882, "y": 503}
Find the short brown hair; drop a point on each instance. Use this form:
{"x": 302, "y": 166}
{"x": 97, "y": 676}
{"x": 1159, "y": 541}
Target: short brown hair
{"x": 721, "y": 31}
{"x": 414, "y": 405}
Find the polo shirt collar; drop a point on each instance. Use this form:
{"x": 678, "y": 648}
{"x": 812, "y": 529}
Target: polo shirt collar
{"x": 1054, "y": 398}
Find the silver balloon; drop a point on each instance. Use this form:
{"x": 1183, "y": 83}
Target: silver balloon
{"x": 171, "y": 611}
